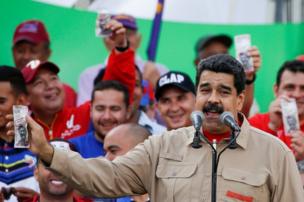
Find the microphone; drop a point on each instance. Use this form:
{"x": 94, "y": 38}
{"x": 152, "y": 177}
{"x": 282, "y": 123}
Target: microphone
{"x": 228, "y": 119}
{"x": 197, "y": 118}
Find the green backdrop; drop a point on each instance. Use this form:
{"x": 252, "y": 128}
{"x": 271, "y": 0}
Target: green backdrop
{"x": 75, "y": 47}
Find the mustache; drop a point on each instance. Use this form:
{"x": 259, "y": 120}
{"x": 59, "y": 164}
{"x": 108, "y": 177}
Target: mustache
{"x": 211, "y": 107}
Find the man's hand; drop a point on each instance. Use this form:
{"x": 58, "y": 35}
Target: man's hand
{"x": 297, "y": 144}
{"x": 257, "y": 61}
{"x": 275, "y": 114}
{"x": 118, "y": 33}
{"x": 38, "y": 142}
{"x": 24, "y": 194}
{"x": 256, "y": 57}
{"x": 254, "y": 53}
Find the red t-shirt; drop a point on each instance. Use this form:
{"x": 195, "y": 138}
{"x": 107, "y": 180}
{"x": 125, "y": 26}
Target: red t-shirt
{"x": 70, "y": 96}
{"x": 261, "y": 121}
{"x": 69, "y": 122}
{"x": 75, "y": 199}
{"x": 217, "y": 137}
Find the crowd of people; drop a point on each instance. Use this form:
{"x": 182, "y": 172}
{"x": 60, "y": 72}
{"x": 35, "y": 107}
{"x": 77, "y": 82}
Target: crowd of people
{"x": 127, "y": 135}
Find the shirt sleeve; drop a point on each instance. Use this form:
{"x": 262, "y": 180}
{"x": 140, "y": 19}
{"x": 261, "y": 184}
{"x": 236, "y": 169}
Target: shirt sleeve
{"x": 126, "y": 175}
{"x": 289, "y": 185}
{"x": 121, "y": 67}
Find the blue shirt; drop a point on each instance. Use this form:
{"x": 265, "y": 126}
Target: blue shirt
{"x": 88, "y": 146}
{"x": 124, "y": 199}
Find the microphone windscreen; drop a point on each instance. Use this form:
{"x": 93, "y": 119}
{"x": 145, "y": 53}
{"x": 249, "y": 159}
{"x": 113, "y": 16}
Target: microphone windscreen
{"x": 197, "y": 118}
{"x": 224, "y": 116}
{"x": 196, "y": 114}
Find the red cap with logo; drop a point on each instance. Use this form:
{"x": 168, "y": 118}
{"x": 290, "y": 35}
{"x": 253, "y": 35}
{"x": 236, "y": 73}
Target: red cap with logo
{"x": 300, "y": 58}
{"x": 33, "y": 31}
{"x": 30, "y": 70}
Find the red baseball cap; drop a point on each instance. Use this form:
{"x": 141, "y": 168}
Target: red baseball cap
{"x": 300, "y": 58}
{"x": 30, "y": 70}
{"x": 33, "y": 31}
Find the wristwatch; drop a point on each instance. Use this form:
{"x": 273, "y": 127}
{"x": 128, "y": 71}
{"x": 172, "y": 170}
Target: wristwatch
{"x": 122, "y": 49}
{"x": 248, "y": 82}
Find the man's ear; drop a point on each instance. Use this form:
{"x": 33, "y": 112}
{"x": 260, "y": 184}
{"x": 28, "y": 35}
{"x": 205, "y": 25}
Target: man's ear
{"x": 276, "y": 90}
{"x": 240, "y": 101}
{"x": 129, "y": 111}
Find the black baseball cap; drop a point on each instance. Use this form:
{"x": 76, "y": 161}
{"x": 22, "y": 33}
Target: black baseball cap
{"x": 174, "y": 78}
{"x": 204, "y": 41}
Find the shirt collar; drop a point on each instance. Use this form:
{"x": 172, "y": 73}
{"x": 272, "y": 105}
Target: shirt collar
{"x": 242, "y": 139}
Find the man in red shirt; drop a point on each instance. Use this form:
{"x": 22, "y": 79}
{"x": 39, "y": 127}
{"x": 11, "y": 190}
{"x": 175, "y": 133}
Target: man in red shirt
{"x": 289, "y": 84}
{"x": 46, "y": 97}
{"x": 31, "y": 41}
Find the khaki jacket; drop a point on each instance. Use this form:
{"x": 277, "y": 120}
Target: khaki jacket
{"x": 261, "y": 168}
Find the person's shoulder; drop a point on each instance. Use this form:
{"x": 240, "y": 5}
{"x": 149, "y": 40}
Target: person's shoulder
{"x": 67, "y": 87}
{"x": 81, "y": 109}
{"x": 81, "y": 138}
{"x": 267, "y": 139}
{"x": 178, "y": 136}
{"x": 173, "y": 141}
{"x": 259, "y": 117}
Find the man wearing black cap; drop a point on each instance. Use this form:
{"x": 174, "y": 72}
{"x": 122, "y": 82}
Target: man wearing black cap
{"x": 220, "y": 44}
{"x": 175, "y": 93}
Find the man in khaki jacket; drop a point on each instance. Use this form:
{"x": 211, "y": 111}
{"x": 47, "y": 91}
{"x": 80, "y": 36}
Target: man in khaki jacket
{"x": 260, "y": 168}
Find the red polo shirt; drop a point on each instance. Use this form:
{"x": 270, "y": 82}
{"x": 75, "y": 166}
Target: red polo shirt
{"x": 261, "y": 121}
{"x": 70, "y": 96}
{"x": 121, "y": 67}
{"x": 69, "y": 122}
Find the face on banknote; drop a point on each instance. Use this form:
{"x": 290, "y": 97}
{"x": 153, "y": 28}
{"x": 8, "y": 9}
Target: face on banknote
{"x": 20, "y": 126}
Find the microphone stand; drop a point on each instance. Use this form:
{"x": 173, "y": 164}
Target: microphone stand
{"x": 216, "y": 158}
{"x": 196, "y": 140}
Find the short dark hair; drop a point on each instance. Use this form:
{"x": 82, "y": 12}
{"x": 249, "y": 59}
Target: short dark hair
{"x": 293, "y": 66}
{"x": 14, "y": 77}
{"x": 111, "y": 84}
{"x": 223, "y": 63}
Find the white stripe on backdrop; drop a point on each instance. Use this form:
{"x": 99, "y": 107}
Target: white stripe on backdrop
{"x": 195, "y": 11}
